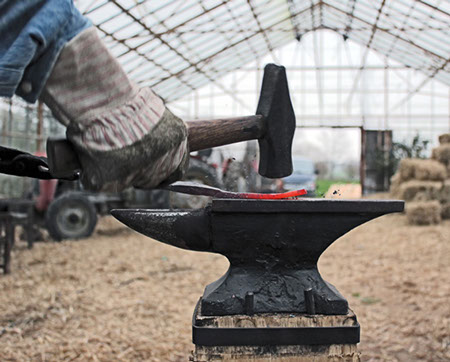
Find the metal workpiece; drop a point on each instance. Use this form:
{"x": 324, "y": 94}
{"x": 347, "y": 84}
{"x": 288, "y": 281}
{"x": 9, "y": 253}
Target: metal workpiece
{"x": 193, "y": 188}
{"x": 272, "y": 245}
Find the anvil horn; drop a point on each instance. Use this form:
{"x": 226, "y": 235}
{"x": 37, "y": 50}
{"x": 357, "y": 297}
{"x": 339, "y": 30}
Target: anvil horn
{"x": 169, "y": 226}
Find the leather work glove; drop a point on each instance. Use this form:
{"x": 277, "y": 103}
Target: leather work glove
{"x": 124, "y": 135}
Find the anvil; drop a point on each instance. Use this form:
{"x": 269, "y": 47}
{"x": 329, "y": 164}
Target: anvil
{"x": 272, "y": 245}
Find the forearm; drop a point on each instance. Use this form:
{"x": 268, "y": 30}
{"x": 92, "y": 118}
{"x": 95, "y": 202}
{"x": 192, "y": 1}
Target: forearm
{"x": 123, "y": 134}
{"x": 33, "y": 33}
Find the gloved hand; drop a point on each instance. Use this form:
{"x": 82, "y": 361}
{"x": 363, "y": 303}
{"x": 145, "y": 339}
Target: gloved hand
{"x": 124, "y": 136}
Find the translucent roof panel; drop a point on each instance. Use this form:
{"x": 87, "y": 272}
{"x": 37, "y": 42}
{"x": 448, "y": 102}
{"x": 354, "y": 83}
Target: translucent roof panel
{"x": 413, "y": 32}
{"x": 176, "y": 46}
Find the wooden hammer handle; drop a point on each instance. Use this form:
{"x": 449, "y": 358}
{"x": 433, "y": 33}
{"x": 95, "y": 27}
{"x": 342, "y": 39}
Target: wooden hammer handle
{"x": 64, "y": 163}
{"x": 219, "y": 132}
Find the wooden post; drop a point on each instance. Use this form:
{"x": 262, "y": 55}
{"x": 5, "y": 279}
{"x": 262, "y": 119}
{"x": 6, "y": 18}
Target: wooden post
{"x": 40, "y": 114}
{"x": 10, "y": 121}
{"x": 288, "y": 353}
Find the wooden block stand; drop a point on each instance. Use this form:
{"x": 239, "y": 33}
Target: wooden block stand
{"x": 279, "y": 353}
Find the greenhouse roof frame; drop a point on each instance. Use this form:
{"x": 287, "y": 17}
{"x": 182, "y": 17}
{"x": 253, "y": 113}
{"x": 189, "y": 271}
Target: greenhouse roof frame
{"x": 177, "y": 46}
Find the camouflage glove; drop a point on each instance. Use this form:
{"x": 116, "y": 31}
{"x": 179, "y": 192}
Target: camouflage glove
{"x": 124, "y": 136}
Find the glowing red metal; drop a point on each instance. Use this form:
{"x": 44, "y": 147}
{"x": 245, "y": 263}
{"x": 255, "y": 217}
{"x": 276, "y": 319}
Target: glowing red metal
{"x": 277, "y": 196}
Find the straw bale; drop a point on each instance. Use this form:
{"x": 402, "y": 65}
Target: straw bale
{"x": 444, "y": 138}
{"x": 424, "y": 212}
{"x": 415, "y": 168}
{"x": 430, "y": 170}
{"x": 445, "y": 212}
{"x": 445, "y": 192}
{"x": 415, "y": 190}
{"x": 442, "y": 154}
{"x": 396, "y": 181}
{"x": 406, "y": 169}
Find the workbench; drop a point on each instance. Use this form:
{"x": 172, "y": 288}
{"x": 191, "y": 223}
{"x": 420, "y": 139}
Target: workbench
{"x": 14, "y": 212}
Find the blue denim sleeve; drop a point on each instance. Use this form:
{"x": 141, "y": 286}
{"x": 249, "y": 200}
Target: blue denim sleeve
{"x": 33, "y": 33}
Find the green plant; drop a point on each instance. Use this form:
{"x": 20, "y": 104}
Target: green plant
{"x": 370, "y": 300}
{"x": 414, "y": 150}
{"x": 388, "y": 162}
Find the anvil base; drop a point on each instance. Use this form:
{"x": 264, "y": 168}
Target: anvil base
{"x": 258, "y": 290}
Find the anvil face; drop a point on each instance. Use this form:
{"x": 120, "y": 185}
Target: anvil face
{"x": 273, "y": 248}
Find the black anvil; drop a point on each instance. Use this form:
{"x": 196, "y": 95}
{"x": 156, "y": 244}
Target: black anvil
{"x": 273, "y": 248}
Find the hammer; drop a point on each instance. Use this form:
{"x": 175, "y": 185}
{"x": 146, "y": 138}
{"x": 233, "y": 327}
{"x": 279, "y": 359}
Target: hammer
{"x": 273, "y": 126}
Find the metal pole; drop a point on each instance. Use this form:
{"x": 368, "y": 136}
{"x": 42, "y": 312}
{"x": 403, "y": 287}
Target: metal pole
{"x": 362, "y": 164}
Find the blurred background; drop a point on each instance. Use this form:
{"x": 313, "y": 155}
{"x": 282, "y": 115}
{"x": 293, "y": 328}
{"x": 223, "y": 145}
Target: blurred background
{"x": 369, "y": 82}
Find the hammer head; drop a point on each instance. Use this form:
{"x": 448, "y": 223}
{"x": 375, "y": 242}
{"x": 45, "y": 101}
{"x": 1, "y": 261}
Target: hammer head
{"x": 275, "y": 105}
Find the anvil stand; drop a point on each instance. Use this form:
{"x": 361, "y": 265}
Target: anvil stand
{"x": 273, "y": 287}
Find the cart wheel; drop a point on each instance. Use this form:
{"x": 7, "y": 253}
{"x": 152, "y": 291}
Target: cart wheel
{"x": 71, "y": 216}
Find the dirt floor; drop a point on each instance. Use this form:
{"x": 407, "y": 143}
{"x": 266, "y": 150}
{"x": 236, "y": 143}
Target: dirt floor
{"x": 120, "y": 296}
{"x": 344, "y": 191}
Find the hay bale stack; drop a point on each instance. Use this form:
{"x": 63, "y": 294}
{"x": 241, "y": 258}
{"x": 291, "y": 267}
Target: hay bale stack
{"x": 418, "y": 169}
{"x": 406, "y": 169}
{"x": 424, "y": 212}
{"x": 425, "y": 185}
{"x": 396, "y": 181}
{"x": 445, "y": 212}
{"x": 442, "y": 154}
{"x": 444, "y": 195}
{"x": 415, "y": 190}
{"x": 444, "y": 138}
